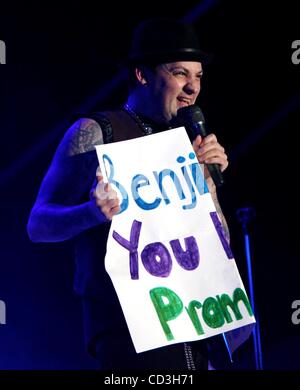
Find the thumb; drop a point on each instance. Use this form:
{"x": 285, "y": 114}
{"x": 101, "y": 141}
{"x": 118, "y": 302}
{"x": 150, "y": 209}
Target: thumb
{"x": 100, "y": 178}
{"x": 99, "y": 175}
{"x": 197, "y": 142}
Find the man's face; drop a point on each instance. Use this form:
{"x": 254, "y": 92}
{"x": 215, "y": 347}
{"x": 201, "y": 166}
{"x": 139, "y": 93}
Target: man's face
{"x": 174, "y": 85}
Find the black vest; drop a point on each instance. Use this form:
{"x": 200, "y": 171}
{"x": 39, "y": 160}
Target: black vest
{"x": 90, "y": 246}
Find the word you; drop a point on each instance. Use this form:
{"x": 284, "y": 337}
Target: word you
{"x": 156, "y": 257}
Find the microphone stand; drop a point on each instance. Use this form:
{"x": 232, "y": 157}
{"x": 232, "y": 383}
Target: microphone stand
{"x": 244, "y": 216}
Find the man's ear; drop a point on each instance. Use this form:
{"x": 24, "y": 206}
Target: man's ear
{"x": 141, "y": 76}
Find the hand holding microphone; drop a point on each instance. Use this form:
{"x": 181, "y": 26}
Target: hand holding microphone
{"x": 212, "y": 153}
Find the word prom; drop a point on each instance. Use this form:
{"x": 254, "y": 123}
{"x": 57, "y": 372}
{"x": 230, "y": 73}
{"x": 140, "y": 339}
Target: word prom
{"x": 215, "y": 313}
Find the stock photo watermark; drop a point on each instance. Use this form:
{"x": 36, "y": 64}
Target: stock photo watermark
{"x": 296, "y": 53}
{"x": 296, "y": 313}
{"x": 2, "y": 313}
{"x": 2, "y": 53}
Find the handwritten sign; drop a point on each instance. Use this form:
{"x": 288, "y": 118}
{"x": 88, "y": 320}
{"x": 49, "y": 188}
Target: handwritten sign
{"x": 170, "y": 264}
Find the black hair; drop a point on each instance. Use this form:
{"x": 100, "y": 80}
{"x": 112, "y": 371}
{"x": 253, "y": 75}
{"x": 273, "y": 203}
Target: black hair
{"x": 132, "y": 81}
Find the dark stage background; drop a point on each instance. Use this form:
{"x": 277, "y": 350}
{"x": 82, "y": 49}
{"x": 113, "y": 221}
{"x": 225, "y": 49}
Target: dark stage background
{"x": 63, "y": 58}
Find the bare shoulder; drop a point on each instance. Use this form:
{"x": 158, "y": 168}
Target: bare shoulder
{"x": 82, "y": 136}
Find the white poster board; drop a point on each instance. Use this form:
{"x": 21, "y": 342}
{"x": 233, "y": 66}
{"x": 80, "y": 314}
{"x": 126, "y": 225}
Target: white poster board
{"x": 168, "y": 259}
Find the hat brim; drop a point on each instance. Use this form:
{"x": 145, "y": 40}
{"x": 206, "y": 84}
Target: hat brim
{"x": 158, "y": 58}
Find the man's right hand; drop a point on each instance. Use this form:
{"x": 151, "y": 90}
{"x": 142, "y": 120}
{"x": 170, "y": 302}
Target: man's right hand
{"x": 106, "y": 198}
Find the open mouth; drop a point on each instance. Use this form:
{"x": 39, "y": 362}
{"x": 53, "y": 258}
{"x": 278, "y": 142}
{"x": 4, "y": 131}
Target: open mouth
{"x": 183, "y": 102}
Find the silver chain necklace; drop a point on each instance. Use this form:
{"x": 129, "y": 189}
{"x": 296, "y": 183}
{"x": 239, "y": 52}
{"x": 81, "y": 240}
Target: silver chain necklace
{"x": 147, "y": 130}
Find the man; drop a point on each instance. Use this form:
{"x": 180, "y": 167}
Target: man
{"x": 165, "y": 70}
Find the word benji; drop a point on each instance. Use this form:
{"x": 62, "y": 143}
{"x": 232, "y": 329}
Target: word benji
{"x": 191, "y": 175}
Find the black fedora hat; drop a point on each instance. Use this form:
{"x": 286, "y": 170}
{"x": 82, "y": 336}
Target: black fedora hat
{"x": 158, "y": 41}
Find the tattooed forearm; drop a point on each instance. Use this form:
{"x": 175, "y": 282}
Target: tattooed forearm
{"x": 221, "y": 216}
{"x": 85, "y": 135}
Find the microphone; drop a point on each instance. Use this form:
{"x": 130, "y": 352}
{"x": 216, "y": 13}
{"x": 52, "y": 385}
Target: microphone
{"x": 191, "y": 117}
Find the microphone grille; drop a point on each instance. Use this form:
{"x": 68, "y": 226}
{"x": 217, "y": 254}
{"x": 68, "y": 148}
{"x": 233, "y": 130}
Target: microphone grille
{"x": 190, "y": 114}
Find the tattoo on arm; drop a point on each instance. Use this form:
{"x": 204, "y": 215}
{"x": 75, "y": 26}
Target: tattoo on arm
{"x": 221, "y": 216}
{"x": 85, "y": 135}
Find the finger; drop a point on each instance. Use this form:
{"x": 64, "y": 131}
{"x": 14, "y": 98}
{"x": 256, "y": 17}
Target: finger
{"x": 112, "y": 203}
{"x": 107, "y": 187}
{"x": 114, "y": 211}
{"x": 110, "y": 210}
{"x": 110, "y": 193}
{"x": 223, "y": 163}
{"x": 210, "y": 148}
{"x": 99, "y": 191}
{"x": 106, "y": 204}
{"x": 215, "y": 152}
{"x": 98, "y": 171}
{"x": 105, "y": 210}
{"x": 197, "y": 142}
{"x": 99, "y": 175}
{"x": 209, "y": 138}
{"x": 217, "y": 148}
